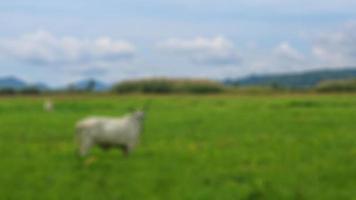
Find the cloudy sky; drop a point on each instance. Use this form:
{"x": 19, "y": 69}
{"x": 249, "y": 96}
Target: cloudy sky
{"x": 57, "y": 42}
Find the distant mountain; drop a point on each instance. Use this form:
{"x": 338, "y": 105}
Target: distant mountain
{"x": 40, "y": 86}
{"x": 302, "y": 80}
{"x": 12, "y": 83}
{"x": 295, "y": 80}
{"x": 18, "y": 84}
{"x": 89, "y": 84}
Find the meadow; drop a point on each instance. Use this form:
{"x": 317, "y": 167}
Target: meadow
{"x": 192, "y": 147}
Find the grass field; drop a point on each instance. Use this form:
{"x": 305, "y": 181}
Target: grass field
{"x": 193, "y": 147}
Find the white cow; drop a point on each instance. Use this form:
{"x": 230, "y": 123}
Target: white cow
{"x": 109, "y": 132}
{"x": 48, "y": 106}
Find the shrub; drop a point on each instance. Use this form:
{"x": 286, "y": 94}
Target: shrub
{"x": 161, "y": 86}
{"x": 7, "y": 91}
{"x": 30, "y": 90}
{"x": 157, "y": 86}
{"x": 337, "y": 86}
{"x": 201, "y": 87}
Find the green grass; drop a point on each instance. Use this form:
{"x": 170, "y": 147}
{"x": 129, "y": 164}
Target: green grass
{"x": 193, "y": 147}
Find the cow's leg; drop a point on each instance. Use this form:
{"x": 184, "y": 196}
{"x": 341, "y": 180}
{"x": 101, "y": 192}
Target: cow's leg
{"x": 85, "y": 146}
{"x": 125, "y": 149}
{"x": 105, "y": 147}
{"x": 128, "y": 149}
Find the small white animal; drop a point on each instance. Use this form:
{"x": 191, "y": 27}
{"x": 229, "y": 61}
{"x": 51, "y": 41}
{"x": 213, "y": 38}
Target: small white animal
{"x": 109, "y": 132}
{"x": 48, "y": 106}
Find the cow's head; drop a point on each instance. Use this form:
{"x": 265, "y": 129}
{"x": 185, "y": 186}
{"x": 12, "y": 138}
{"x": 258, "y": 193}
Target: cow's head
{"x": 139, "y": 114}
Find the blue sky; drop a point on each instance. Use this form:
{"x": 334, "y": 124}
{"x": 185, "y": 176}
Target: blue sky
{"x": 63, "y": 41}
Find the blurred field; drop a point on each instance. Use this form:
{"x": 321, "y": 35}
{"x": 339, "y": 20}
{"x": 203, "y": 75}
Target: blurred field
{"x": 193, "y": 147}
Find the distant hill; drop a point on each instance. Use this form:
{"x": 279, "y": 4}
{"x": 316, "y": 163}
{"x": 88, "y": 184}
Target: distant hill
{"x": 18, "y": 84}
{"x": 166, "y": 86}
{"x": 89, "y": 84}
{"x": 346, "y": 85}
{"x": 12, "y": 83}
{"x": 295, "y": 80}
{"x": 302, "y": 80}
{"x": 40, "y": 86}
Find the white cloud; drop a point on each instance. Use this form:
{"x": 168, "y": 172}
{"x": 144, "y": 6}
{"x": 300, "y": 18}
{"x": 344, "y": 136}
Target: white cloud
{"x": 281, "y": 58}
{"x": 43, "y": 48}
{"x": 285, "y": 51}
{"x": 208, "y": 51}
{"x": 336, "y": 48}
